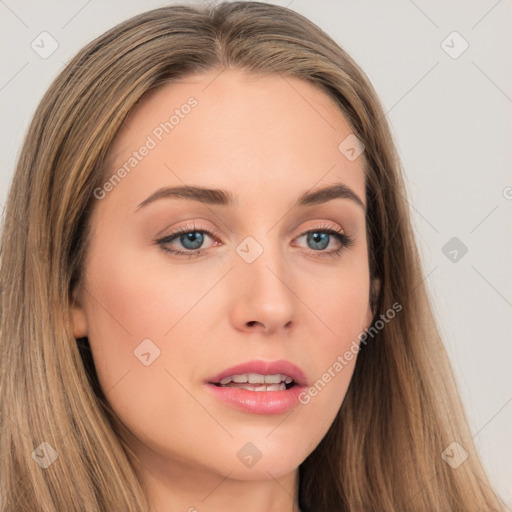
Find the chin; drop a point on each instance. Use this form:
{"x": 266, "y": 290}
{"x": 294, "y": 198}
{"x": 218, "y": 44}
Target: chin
{"x": 262, "y": 470}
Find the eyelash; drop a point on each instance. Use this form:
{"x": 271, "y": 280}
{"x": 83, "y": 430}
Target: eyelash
{"x": 344, "y": 239}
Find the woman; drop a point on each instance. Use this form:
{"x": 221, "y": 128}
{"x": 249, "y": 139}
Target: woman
{"x": 211, "y": 293}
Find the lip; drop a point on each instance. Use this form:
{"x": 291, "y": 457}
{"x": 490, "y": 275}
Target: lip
{"x": 260, "y": 402}
{"x": 264, "y": 368}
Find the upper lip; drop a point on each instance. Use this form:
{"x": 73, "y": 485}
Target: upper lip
{"x": 264, "y": 368}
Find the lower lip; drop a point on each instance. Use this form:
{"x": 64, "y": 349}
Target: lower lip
{"x": 258, "y": 402}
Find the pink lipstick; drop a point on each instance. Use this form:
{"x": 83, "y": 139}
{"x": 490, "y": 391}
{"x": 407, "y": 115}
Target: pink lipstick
{"x": 259, "y": 387}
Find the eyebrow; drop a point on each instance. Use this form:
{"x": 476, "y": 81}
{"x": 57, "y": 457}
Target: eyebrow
{"x": 220, "y": 197}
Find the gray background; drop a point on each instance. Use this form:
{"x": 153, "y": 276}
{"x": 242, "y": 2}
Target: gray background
{"x": 451, "y": 119}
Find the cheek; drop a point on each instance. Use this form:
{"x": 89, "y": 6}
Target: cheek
{"x": 144, "y": 334}
{"x": 337, "y": 301}
{"x": 342, "y": 305}
{"x": 133, "y": 312}
{"x": 133, "y": 301}
{"x": 339, "y": 310}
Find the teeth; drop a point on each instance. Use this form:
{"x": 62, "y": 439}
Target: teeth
{"x": 277, "y": 387}
{"x": 257, "y": 378}
{"x": 256, "y": 387}
{"x": 274, "y": 379}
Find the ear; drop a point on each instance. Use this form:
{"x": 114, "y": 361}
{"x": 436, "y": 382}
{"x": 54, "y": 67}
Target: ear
{"x": 78, "y": 316}
{"x": 374, "y": 293}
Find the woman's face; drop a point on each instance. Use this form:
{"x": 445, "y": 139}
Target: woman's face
{"x": 166, "y": 327}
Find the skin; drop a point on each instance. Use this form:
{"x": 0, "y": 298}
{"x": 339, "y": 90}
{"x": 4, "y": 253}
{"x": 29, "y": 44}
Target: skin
{"x": 267, "y": 140}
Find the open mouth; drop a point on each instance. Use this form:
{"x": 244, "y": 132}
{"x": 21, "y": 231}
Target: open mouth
{"x": 259, "y": 387}
{"x": 257, "y": 382}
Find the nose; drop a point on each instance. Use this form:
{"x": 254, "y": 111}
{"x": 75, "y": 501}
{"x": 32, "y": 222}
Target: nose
{"x": 261, "y": 294}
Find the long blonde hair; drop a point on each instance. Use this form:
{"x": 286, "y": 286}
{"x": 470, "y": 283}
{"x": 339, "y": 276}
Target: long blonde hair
{"x": 382, "y": 452}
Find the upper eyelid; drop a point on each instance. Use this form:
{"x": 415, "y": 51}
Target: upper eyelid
{"x": 322, "y": 225}
{"x": 212, "y": 233}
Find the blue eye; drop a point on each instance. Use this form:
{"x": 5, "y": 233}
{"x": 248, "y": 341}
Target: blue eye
{"x": 319, "y": 238}
{"x": 192, "y": 239}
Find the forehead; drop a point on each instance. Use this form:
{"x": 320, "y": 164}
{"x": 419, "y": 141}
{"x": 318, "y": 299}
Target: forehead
{"x": 231, "y": 129}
